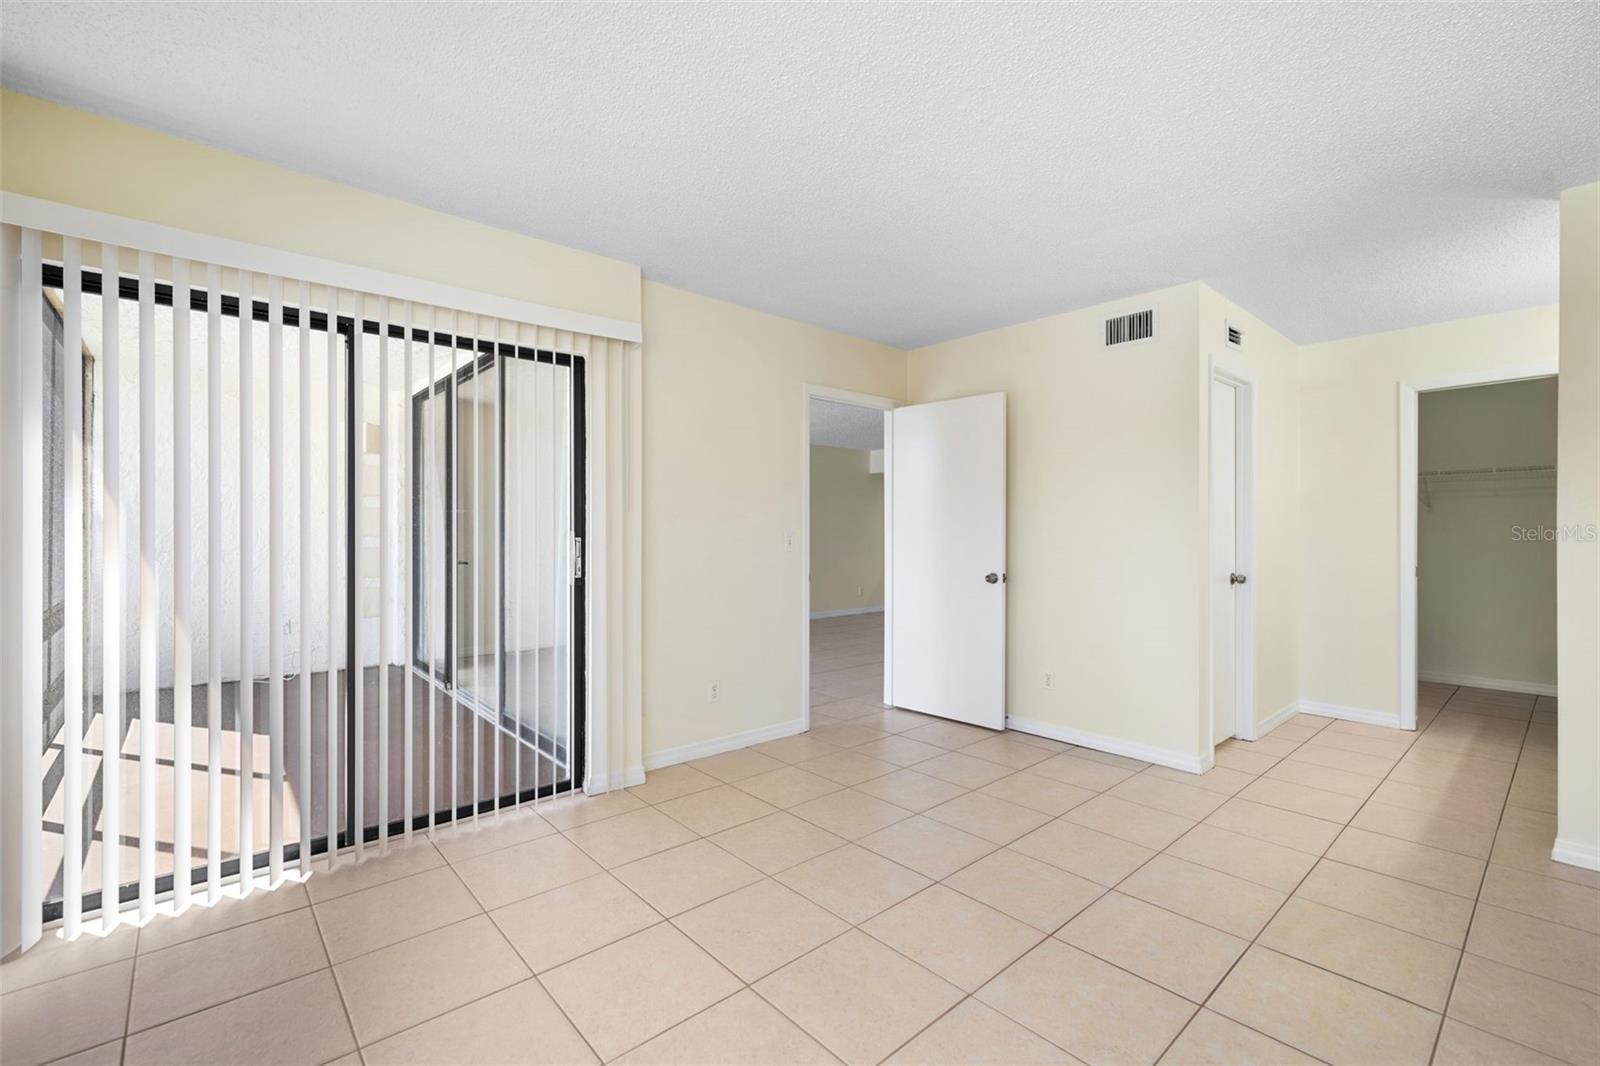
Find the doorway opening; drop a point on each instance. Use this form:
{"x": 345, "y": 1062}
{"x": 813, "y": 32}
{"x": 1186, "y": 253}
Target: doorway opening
{"x": 844, "y": 552}
{"x": 1456, "y": 460}
{"x": 1485, "y": 546}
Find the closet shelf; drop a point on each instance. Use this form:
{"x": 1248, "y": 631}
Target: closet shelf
{"x": 1486, "y": 473}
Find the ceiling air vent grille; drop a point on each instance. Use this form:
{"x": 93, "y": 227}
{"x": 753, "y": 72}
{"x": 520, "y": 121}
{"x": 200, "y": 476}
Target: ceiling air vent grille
{"x": 1235, "y": 336}
{"x": 1137, "y": 326}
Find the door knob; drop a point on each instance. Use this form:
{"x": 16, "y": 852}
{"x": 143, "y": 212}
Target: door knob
{"x": 992, "y": 578}
{"x": 1235, "y": 579}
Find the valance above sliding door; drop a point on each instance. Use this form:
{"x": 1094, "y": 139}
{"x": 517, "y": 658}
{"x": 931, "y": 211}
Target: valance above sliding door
{"x": 292, "y": 567}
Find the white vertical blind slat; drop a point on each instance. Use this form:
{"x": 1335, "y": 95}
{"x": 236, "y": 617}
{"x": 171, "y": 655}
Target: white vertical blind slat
{"x": 73, "y": 621}
{"x": 149, "y": 590}
{"x": 31, "y": 603}
{"x": 513, "y": 527}
{"x": 477, "y": 570}
{"x": 303, "y": 621}
{"x": 111, "y": 701}
{"x": 497, "y": 593}
{"x": 453, "y": 576}
{"x": 554, "y": 574}
{"x": 405, "y": 600}
{"x": 213, "y": 582}
{"x": 335, "y": 585}
{"x": 275, "y": 577}
{"x": 247, "y": 555}
{"x": 432, "y": 436}
{"x": 385, "y": 568}
{"x": 535, "y": 536}
{"x": 182, "y": 649}
{"x": 357, "y": 443}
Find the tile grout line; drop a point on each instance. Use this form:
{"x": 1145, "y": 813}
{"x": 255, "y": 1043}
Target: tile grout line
{"x": 1483, "y": 877}
{"x": 127, "y": 1019}
{"x": 333, "y": 975}
{"x": 1204, "y": 1004}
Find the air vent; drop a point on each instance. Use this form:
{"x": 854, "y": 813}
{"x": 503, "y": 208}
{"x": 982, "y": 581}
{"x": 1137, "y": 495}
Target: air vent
{"x": 1137, "y": 326}
{"x": 1235, "y": 336}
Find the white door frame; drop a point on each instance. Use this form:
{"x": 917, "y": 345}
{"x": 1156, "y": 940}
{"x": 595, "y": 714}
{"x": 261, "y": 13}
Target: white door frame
{"x": 859, "y": 399}
{"x": 1244, "y": 480}
{"x": 1406, "y": 594}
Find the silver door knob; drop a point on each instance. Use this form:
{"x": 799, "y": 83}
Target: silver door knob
{"x": 992, "y": 578}
{"x": 1235, "y": 579}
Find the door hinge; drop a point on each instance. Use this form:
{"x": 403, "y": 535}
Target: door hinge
{"x": 577, "y": 558}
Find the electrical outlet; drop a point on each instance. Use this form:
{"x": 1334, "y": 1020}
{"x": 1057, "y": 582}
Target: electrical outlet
{"x": 788, "y": 542}
{"x": 1049, "y": 679}
{"x": 860, "y": 591}
{"x": 716, "y": 691}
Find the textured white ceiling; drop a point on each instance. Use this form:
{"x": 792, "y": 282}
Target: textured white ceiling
{"x": 912, "y": 172}
{"x": 845, "y": 425}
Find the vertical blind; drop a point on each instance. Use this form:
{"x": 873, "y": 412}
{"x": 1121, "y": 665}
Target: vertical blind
{"x": 298, "y": 570}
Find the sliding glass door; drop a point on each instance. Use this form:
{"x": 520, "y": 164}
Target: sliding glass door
{"x": 327, "y": 578}
{"x": 498, "y": 458}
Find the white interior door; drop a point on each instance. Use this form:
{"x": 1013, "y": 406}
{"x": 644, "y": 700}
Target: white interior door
{"x": 1224, "y": 561}
{"x": 946, "y": 534}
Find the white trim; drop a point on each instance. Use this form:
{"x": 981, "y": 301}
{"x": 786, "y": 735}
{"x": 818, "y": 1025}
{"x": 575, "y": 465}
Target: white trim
{"x": 717, "y": 745}
{"x": 1501, "y": 684}
{"x": 595, "y": 784}
{"x": 71, "y": 221}
{"x": 1406, "y": 508}
{"x": 1365, "y": 715}
{"x": 1585, "y": 856}
{"x": 1406, "y": 571}
{"x": 597, "y": 583}
{"x": 1177, "y": 760}
{"x": 818, "y": 615}
{"x": 1276, "y": 718}
{"x": 888, "y": 559}
{"x": 860, "y": 399}
{"x": 1244, "y": 480}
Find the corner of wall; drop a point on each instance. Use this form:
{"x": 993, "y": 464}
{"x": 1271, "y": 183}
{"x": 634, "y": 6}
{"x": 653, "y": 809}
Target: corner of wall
{"x": 1578, "y": 517}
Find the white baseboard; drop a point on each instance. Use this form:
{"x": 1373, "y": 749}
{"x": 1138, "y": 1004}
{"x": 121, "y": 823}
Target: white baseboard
{"x": 717, "y": 745}
{"x": 1573, "y": 853}
{"x": 1526, "y": 688}
{"x": 815, "y": 615}
{"x": 1276, "y": 718}
{"x": 1178, "y": 760}
{"x": 1349, "y": 714}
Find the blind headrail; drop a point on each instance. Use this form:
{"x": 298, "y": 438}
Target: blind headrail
{"x": 71, "y": 221}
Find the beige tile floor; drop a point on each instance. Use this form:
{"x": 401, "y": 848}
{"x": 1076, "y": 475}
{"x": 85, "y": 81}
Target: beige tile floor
{"x": 893, "y": 888}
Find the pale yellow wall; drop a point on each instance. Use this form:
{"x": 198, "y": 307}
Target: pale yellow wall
{"x": 70, "y": 156}
{"x": 1578, "y": 507}
{"x": 846, "y": 531}
{"x": 725, "y": 455}
{"x": 1349, "y": 482}
{"x": 1105, "y": 539}
{"x": 1486, "y": 598}
{"x": 1270, "y": 362}
{"x": 1107, "y": 460}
